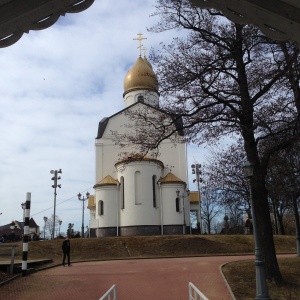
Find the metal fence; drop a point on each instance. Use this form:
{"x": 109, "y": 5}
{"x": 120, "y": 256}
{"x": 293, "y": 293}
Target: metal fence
{"x": 111, "y": 294}
{"x": 12, "y": 256}
{"x": 195, "y": 294}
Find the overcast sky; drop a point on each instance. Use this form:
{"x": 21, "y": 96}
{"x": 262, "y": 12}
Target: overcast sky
{"x": 56, "y": 85}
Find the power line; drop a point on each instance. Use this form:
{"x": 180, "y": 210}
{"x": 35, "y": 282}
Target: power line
{"x": 75, "y": 196}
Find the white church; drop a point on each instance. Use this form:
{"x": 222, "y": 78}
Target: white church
{"x": 133, "y": 195}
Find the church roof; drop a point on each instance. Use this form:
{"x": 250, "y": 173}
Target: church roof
{"x": 107, "y": 180}
{"x": 32, "y": 223}
{"x": 140, "y": 76}
{"x": 194, "y": 197}
{"x": 170, "y": 178}
{"x": 91, "y": 201}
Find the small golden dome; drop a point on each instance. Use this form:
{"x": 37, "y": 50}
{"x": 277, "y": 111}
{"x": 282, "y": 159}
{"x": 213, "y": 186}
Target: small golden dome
{"x": 140, "y": 76}
{"x": 148, "y": 63}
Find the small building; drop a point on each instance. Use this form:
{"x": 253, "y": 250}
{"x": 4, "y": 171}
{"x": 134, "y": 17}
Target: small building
{"x": 16, "y": 229}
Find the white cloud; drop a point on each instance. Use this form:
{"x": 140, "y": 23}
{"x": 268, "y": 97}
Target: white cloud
{"x": 56, "y": 85}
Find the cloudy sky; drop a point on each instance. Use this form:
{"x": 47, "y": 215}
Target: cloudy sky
{"x": 56, "y": 85}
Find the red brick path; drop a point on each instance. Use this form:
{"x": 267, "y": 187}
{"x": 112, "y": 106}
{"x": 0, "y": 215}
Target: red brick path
{"x": 139, "y": 279}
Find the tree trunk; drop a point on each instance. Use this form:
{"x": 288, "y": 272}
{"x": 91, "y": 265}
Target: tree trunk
{"x": 280, "y": 221}
{"x": 275, "y": 216}
{"x": 264, "y": 226}
{"x": 259, "y": 191}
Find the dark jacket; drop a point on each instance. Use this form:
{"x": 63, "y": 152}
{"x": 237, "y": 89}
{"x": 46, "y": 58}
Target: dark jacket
{"x": 66, "y": 246}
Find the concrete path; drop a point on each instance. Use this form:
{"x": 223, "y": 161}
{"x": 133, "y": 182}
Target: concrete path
{"x": 136, "y": 279}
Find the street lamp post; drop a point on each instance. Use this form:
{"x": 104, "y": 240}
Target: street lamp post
{"x": 23, "y": 205}
{"x": 81, "y": 198}
{"x": 261, "y": 283}
{"x": 59, "y": 223}
{"x": 196, "y": 170}
{"x": 183, "y": 207}
{"x": 55, "y": 178}
{"x": 45, "y": 221}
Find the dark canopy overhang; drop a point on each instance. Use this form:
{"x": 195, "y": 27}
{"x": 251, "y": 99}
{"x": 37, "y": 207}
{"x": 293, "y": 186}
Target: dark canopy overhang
{"x": 20, "y": 16}
{"x": 277, "y": 19}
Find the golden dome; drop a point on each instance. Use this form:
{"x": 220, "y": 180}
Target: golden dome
{"x": 140, "y": 76}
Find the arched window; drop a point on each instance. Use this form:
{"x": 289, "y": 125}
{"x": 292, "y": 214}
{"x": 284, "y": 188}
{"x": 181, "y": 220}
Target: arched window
{"x": 122, "y": 193}
{"x": 177, "y": 204}
{"x": 100, "y": 208}
{"x": 138, "y": 187}
{"x": 154, "y": 191}
{"x": 140, "y": 98}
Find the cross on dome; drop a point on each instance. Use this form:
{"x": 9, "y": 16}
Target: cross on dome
{"x": 139, "y": 39}
{"x": 144, "y": 49}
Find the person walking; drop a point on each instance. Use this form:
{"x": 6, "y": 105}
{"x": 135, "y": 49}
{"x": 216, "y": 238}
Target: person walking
{"x": 66, "y": 248}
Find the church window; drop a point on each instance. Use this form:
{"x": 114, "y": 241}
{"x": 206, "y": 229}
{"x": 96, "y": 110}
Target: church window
{"x": 177, "y": 204}
{"x": 140, "y": 98}
{"x": 138, "y": 187}
{"x": 154, "y": 191}
{"x": 100, "y": 208}
{"x": 122, "y": 193}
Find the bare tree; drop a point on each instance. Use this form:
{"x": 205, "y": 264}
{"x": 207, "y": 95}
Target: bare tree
{"x": 209, "y": 208}
{"x": 225, "y": 79}
{"x": 283, "y": 185}
{"x": 223, "y": 172}
{"x": 49, "y": 225}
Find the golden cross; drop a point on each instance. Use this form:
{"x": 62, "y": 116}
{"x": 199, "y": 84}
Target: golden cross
{"x": 140, "y": 38}
{"x": 144, "y": 49}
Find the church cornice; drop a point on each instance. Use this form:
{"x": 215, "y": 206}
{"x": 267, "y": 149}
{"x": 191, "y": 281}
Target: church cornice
{"x": 139, "y": 158}
{"x": 139, "y": 88}
{"x": 19, "y": 16}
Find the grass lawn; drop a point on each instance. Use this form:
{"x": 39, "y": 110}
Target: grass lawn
{"x": 241, "y": 279}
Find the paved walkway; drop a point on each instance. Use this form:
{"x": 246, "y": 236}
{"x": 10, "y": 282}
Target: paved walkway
{"x": 136, "y": 279}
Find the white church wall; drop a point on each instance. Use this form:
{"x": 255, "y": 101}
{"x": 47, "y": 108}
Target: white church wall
{"x": 94, "y": 223}
{"x": 108, "y": 194}
{"x": 139, "y": 211}
{"x": 174, "y": 159}
{"x": 170, "y": 216}
{"x": 107, "y": 153}
{"x": 149, "y": 97}
{"x": 129, "y": 99}
{"x": 106, "y": 157}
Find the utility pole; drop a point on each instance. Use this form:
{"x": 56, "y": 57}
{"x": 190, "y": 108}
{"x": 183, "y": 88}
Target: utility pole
{"x": 55, "y": 178}
{"x": 83, "y": 199}
{"x": 196, "y": 170}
